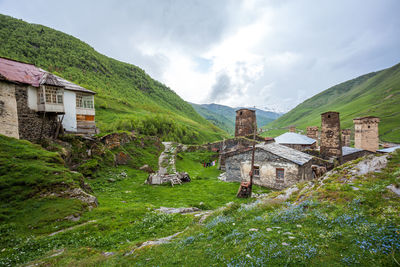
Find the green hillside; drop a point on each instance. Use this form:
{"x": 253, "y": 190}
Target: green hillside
{"x": 127, "y": 97}
{"x": 216, "y": 118}
{"x": 375, "y": 94}
{"x": 224, "y": 116}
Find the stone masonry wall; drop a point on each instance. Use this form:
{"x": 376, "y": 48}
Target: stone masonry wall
{"x": 313, "y": 132}
{"x": 366, "y": 135}
{"x": 30, "y": 121}
{"x": 8, "y": 110}
{"x": 331, "y": 144}
{"x": 245, "y": 122}
{"x": 346, "y": 133}
{"x": 238, "y": 168}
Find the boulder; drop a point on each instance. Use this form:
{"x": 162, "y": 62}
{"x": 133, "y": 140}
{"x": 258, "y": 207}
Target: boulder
{"x": 122, "y": 158}
{"x": 146, "y": 168}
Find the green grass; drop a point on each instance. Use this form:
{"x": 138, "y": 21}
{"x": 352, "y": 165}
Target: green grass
{"x": 125, "y": 216}
{"x": 374, "y": 94}
{"x": 127, "y": 98}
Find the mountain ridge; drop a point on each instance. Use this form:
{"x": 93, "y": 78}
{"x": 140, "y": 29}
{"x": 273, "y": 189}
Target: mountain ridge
{"x": 128, "y": 98}
{"x": 372, "y": 94}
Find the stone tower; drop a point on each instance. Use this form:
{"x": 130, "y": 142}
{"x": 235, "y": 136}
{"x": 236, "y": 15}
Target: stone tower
{"x": 292, "y": 128}
{"x": 346, "y": 137}
{"x": 366, "y": 134}
{"x": 246, "y": 122}
{"x": 313, "y": 132}
{"x": 331, "y": 145}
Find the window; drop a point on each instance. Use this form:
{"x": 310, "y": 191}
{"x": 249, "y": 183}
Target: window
{"x": 53, "y": 95}
{"x": 280, "y": 175}
{"x": 84, "y": 101}
{"x": 256, "y": 171}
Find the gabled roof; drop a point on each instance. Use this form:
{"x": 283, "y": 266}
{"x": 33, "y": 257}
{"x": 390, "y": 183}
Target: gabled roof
{"x": 389, "y": 149}
{"x": 285, "y": 152}
{"x": 294, "y": 138}
{"x": 24, "y": 73}
{"x": 349, "y": 150}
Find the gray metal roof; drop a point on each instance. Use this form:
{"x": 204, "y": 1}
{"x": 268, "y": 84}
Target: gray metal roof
{"x": 349, "y": 150}
{"x": 388, "y": 150}
{"x": 294, "y": 138}
{"x": 71, "y": 86}
{"x": 285, "y": 152}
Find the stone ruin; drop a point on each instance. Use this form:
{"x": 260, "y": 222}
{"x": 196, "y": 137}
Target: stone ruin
{"x": 331, "y": 144}
{"x": 346, "y": 133}
{"x": 176, "y": 178}
{"x": 246, "y": 122}
{"x": 366, "y": 135}
{"x": 313, "y": 132}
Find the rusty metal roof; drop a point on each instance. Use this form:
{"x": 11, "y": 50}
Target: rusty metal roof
{"x": 25, "y": 73}
{"x": 19, "y": 72}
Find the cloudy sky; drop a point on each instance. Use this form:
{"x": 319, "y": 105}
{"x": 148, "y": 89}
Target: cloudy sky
{"x": 270, "y": 54}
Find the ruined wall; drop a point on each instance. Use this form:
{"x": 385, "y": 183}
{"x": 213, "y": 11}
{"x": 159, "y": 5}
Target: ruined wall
{"x": 355, "y": 155}
{"x": 346, "y": 133}
{"x": 238, "y": 168}
{"x": 331, "y": 144}
{"x": 8, "y": 110}
{"x": 30, "y": 121}
{"x": 313, "y": 132}
{"x": 366, "y": 135}
{"x": 246, "y": 122}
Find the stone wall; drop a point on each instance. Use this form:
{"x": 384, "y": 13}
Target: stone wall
{"x": 238, "y": 168}
{"x": 355, "y": 155}
{"x": 246, "y": 122}
{"x": 366, "y": 135}
{"x": 313, "y": 132}
{"x": 346, "y": 133}
{"x": 8, "y": 110}
{"x": 331, "y": 144}
{"x": 29, "y": 121}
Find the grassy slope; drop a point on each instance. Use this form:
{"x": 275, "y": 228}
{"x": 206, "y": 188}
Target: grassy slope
{"x": 376, "y": 94}
{"x": 219, "y": 120}
{"x": 330, "y": 225}
{"x": 127, "y": 97}
{"x": 125, "y": 215}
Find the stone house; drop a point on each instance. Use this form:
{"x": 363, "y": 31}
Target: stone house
{"x": 296, "y": 141}
{"x": 36, "y": 103}
{"x": 275, "y": 166}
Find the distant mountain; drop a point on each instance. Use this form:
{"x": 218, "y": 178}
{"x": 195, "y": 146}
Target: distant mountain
{"x": 127, "y": 98}
{"x": 224, "y": 116}
{"x": 375, "y": 94}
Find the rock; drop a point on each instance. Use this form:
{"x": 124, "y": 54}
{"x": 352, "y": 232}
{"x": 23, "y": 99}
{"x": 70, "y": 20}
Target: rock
{"x": 73, "y": 218}
{"x": 248, "y": 256}
{"x": 298, "y": 225}
{"x": 355, "y": 188}
{"x": 115, "y": 140}
{"x": 122, "y": 158}
{"x": 108, "y": 254}
{"x": 269, "y": 229}
{"x": 222, "y": 177}
{"x": 78, "y": 193}
{"x": 253, "y": 230}
{"x": 285, "y": 244}
{"x": 394, "y": 189}
{"x": 111, "y": 180}
{"x": 287, "y": 193}
{"x": 146, "y": 168}
{"x": 370, "y": 164}
{"x": 287, "y": 233}
{"x": 292, "y": 237}
{"x": 178, "y": 210}
{"x": 123, "y": 174}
